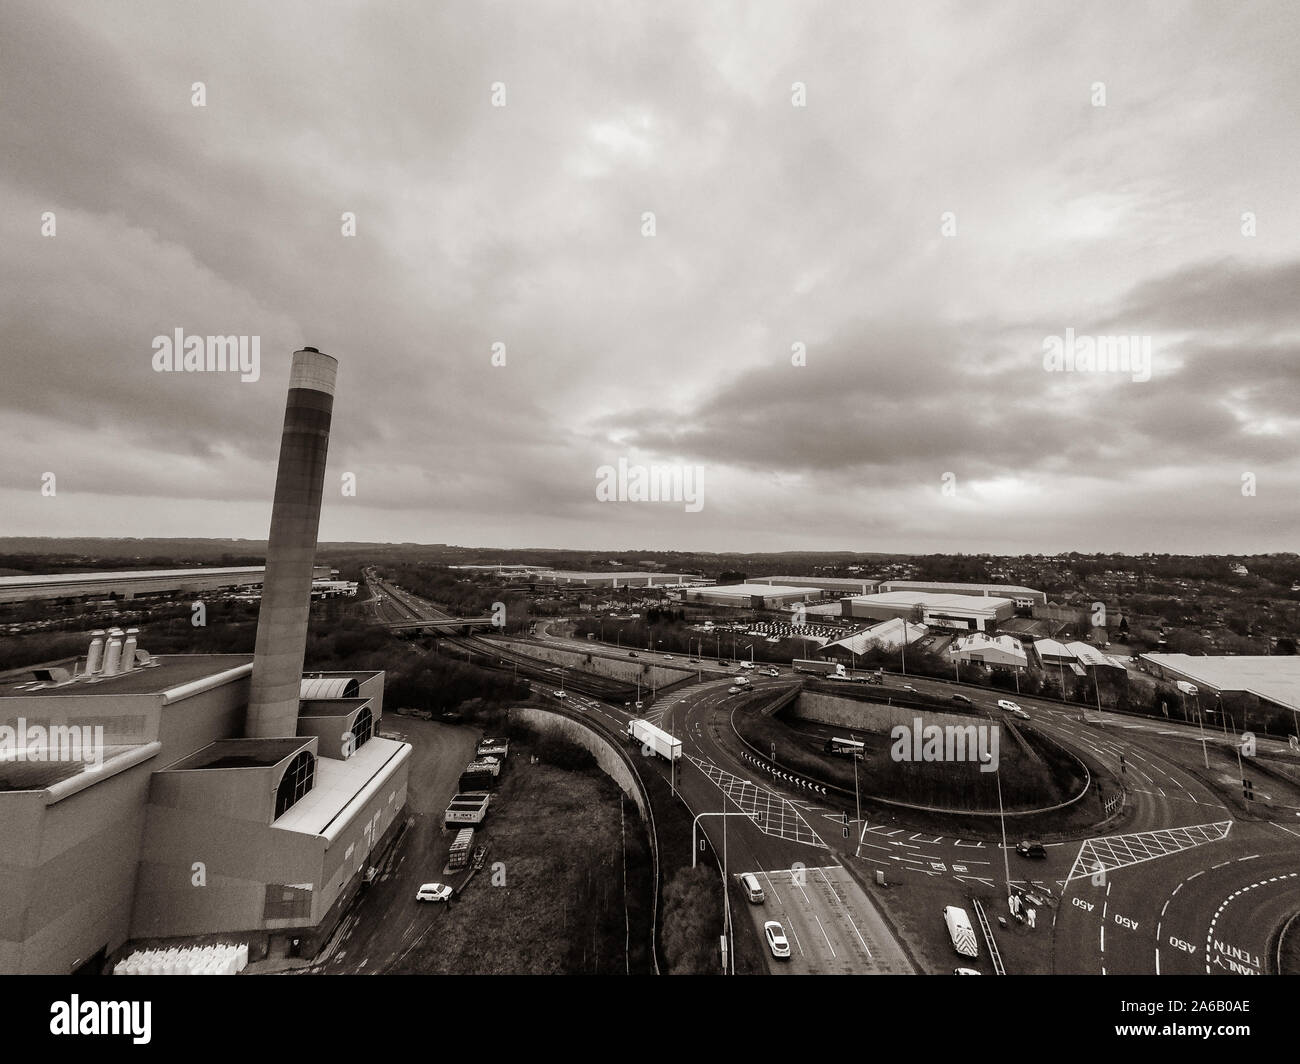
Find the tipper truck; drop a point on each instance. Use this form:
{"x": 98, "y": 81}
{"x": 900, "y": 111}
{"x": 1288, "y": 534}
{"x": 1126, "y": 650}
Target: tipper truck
{"x": 654, "y": 739}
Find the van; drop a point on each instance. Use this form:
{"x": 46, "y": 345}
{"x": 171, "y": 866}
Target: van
{"x": 753, "y": 891}
{"x": 747, "y": 665}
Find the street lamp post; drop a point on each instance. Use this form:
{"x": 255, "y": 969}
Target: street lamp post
{"x": 1006, "y": 859}
{"x": 726, "y": 894}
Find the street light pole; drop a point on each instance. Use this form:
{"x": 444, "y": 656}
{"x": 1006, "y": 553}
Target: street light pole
{"x": 1006, "y": 859}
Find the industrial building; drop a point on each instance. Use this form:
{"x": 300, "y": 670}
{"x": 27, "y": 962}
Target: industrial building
{"x": 979, "y": 648}
{"x": 831, "y": 587}
{"x": 561, "y": 576}
{"x": 1023, "y": 597}
{"x": 889, "y": 635}
{"x": 130, "y": 584}
{"x": 751, "y": 596}
{"x": 198, "y": 798}
{"x": 1272, "y": 679}
{"x": 967, "y": 612}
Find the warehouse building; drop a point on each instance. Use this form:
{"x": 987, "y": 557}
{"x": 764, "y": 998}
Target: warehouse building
{"x": 978, "y": 648}
{"x": 27, "y": 588}
{"x": 1272, "y": 679}
{"x": 831, "y": 587}
{"x": 752, "y": 596}
{"x": 887, "y": 635}
{"x": 1023, "y": 597}
{"x": 967, "y": 612}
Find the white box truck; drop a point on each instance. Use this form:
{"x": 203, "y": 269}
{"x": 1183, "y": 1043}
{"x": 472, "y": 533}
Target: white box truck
{"x": 654, "y": 739}
{"x": 821, "y": 668}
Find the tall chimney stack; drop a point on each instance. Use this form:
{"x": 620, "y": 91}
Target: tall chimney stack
{"x": 291, "y": 550}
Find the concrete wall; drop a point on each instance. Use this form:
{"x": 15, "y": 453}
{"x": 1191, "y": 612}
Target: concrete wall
{"x": 868, "y": 716}
{"x": 68, "y": 872}
{"x": 589, "y": 739}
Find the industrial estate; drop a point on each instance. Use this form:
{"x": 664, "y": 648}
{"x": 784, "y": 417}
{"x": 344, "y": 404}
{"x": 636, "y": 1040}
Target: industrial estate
{"x": 348, "y": 758}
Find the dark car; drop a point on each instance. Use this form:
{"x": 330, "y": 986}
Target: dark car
{"x": 632, "y": 654}
{"x": 962, "y": 698}
{"x": 1031, "y": 849}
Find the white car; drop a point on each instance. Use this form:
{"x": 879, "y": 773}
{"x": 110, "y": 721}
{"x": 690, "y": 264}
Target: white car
{"x": 909, "y": 687}
{"x": 668, "y": 657}
{"x": 433, "y": 892}
{"x": 561, "y": 694}
{"x": 773, "y": 672}
{"x": 1012, "y": 708}
{"x": 776, "y": 940}
{"x": 733, "y": 690}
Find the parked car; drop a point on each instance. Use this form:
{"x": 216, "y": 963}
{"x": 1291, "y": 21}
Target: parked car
{"x": 433, "y": 892}
{"x": 776, "y": 940}
{"x": 1031, "y": 849}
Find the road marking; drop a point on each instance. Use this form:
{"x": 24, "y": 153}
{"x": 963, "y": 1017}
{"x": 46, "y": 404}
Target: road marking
{"x": 1120, "y": 851}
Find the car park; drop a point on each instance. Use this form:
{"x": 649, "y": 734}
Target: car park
{"x": 1026, "y": 848}
{"x": 433, "y": 892}
{"x": 776, "y": 940}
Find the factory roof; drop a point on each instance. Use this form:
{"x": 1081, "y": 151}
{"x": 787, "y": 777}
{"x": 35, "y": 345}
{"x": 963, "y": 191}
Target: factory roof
{"x": 755, "y": 589}
{"x": 57, "y": 579}
{"x": 1275, "y": 678}
{"x": 172, "y": 673}
{"x": 932, "y": 601}
{"x": 888, "y": 633}
{"x": 339, "y": 784}
{"x": 241, "y": 753}
{"x": 979, "y": 590}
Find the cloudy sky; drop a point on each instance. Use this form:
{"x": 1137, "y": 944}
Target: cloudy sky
{"x": 949, "y": 197}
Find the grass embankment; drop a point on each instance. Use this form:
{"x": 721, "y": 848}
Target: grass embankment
{"x": 550, "y": 898}
{"x": 1034, "y": 772}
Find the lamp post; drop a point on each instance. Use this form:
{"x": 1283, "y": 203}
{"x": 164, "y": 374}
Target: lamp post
{"x": 1006, "y": 859}
{"x": 726, "y": 893}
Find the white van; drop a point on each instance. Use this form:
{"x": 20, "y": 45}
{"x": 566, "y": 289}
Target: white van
{"x": 753, "y": 891}
{"x": 960, "y": 931}
{"x": 746, "y": 665}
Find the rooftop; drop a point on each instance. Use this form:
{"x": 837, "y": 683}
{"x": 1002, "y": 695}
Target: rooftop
{"x": 1275, "y": 678}
{"x": 756, "y": 589}
{"x": 173, "y": 671}
{"x": 240, "y": 753}
{"x": 339, "y": 783}
{"x": 931, "y": 601}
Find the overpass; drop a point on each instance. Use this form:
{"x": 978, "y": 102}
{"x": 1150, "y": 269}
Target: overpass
{"x": 446, "y": 624}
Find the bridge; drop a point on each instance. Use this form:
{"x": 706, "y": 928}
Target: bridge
{"x": 446, "y": 624}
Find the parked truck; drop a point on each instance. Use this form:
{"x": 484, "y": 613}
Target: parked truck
{"x": 654, "y": 739}
{"x": 832, "y": 669}
{"x": 461, "y": 847}
{"x": 467, "y": 808}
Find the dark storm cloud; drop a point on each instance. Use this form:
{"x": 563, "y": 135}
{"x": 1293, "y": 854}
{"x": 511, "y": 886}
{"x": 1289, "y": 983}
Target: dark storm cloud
{"x": 776, "y": 225}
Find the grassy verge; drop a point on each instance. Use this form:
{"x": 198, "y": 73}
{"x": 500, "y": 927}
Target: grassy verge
{"x": 550, "y": 898}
